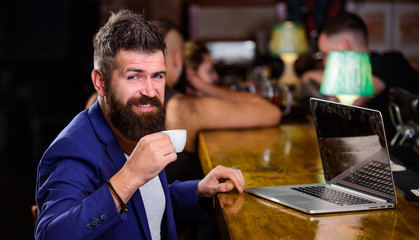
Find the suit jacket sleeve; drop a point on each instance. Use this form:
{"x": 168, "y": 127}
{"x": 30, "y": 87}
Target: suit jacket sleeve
{"x": 71, "y": 192}
{"x": 184, "y": 199}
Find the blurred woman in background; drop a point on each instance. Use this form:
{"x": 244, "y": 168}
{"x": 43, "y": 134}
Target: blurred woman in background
{"x": 198, "y": 62}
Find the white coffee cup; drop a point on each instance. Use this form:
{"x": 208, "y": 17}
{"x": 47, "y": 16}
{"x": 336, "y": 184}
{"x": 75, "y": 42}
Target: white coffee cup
{"x": 178, "y": 137}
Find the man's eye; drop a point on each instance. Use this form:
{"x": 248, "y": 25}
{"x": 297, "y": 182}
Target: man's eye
{"x": 132, "y": 77}
{"x": 158, "y": 76}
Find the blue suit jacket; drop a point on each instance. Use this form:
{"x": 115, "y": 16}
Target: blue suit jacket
{"x": 73, "y": 199}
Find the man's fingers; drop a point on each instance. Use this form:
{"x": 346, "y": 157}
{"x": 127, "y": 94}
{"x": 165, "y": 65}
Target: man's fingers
{"x": 225, "y": 187}
{"x": 215, "y": 181}
{"x": 237, "y": 179}
{"x": 159, "y": 142}
{"x": 234, "y": 175}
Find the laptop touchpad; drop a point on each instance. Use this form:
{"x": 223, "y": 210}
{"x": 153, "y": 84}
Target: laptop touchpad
{"x": 292, "y": 198}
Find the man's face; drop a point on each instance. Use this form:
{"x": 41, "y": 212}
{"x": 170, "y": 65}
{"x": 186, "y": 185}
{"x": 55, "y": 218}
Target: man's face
{"x": 134, "y": 99}
{"x": 327, "y": 44}
{"x": 174, "y": 58}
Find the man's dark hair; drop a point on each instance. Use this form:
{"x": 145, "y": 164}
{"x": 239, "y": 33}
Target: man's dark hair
{"x": 124, "y": 31}
{"x": 165, "y": 26}
{"x": 345, "y": 21}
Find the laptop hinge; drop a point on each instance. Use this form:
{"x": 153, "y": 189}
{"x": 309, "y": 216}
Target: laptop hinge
{"x": 359, "y": 193}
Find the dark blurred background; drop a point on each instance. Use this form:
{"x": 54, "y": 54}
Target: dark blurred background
{"x": 45, "y": 64}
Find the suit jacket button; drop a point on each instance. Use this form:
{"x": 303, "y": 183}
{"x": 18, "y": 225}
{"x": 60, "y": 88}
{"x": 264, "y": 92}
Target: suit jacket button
{"x": 103, "y": 217}
{"x": 89, "y": 226}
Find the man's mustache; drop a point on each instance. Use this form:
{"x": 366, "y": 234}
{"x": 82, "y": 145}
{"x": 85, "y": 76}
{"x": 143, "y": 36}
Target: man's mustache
{"x": 145, "y": 100}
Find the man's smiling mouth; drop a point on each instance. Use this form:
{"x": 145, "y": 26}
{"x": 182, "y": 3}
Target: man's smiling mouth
{"x": 145, "y": 107}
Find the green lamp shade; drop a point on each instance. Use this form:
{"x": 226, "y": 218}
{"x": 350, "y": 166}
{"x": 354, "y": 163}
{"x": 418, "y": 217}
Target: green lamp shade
{"x": 288, "y": 37}
{"x": 347, "y": 73}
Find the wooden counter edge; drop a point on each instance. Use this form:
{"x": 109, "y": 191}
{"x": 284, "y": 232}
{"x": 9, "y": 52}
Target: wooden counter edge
{"x": 206, "y": 165}
{"x": 204, "y": 157}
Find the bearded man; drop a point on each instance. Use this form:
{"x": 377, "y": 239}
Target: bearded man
{"x": 103, "y": 176}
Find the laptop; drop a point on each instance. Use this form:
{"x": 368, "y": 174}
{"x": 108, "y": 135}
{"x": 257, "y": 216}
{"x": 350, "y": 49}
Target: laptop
{"x": 355, "y": 161}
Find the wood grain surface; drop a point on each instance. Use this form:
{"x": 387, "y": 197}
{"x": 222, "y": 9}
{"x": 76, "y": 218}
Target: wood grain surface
{"x": 288, "y": 154}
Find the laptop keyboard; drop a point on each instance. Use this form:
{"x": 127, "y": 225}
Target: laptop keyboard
{"x": 333, "y": 195}
{"x": 375, "y": 176}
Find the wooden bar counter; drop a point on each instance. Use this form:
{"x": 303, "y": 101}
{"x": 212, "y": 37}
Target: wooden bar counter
{"x": 289, "y": 154}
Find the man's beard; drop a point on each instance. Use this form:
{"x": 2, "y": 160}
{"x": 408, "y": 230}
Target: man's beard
{"x": 132, "y": 125}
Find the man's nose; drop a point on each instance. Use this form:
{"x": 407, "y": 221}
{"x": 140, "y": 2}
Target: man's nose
{"x": 148, "y": 88}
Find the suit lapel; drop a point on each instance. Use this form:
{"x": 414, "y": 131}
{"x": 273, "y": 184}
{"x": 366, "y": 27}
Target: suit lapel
{"x": 117, "y": 157}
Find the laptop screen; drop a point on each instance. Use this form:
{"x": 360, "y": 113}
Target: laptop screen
{"x": 353, "y": 147}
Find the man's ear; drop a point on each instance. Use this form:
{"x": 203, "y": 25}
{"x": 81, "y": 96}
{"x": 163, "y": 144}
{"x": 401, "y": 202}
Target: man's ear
{"x": 345, "y": 44}
{"x": 178, "y": 59}
{"x": 98, "y": 82}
